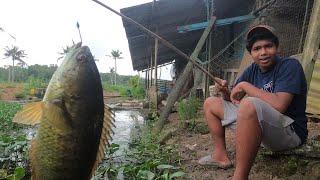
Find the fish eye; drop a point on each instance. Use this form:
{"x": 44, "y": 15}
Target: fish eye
{"x": 81, "y": 58}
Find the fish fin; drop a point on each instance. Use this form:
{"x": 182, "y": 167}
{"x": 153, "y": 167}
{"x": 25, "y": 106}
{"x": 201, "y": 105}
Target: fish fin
{"x": 30, "y": 114}
{"x": 105, "y": 137}
{"x": 58, "y": 118}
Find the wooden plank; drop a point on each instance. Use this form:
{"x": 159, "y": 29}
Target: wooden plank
{"x": 312, "y": 42}
{"x": 313, "y": 99}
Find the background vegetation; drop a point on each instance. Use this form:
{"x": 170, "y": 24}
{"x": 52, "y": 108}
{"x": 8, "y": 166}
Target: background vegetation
{"x": 36, "y": 77}
{"x": 13, "y": 144}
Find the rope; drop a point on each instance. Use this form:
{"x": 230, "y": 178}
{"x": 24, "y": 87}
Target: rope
{"x": 223, "y": 50}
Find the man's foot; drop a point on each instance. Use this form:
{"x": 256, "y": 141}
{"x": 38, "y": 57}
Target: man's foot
{"x": 208, "y": 161}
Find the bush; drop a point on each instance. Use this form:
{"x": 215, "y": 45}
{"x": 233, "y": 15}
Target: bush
{"x": 34, "y": 84}
{"x": 122, "y": 90}
{"x": 187, "y": 109}
{"x": 20, "y": 95}
{"x": 138, "y": 93}
{"x": 131, "y": 90}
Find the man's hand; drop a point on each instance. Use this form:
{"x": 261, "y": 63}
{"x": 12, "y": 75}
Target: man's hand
{"x": 223, "y": 87}
{"x": 237, "y": 93}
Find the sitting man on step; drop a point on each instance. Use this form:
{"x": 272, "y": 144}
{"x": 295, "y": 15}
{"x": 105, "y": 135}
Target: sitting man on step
{"x": 273, "y": 113}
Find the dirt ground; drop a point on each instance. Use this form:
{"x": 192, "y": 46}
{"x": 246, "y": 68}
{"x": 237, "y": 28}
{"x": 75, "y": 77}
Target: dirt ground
{"x": 7, "y": 92}
{"x": 193, "y": 144}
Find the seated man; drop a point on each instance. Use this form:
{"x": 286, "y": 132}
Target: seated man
{"x": 273, "y": 113}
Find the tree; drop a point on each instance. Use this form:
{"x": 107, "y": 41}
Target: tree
{"x": 16, "y": 55}
{"x": 115, "y": 54}
{"x": 111, "y": 73}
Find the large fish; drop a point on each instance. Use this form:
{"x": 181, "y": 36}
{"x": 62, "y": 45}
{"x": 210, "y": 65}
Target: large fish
{"x": 75, "y": 125}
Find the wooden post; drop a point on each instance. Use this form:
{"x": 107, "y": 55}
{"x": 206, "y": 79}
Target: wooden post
{"x": 175, "y": 92}
{"x": 148, "y": 77}
{"x": 146, "y": 80}
{"x": 151, "y": 69}
{"x": 156, "y": 45}
{"x": 312, "y": 42}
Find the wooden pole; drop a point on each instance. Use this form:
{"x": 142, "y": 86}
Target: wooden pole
{"x": 312, "y": 42}
{"x": 156, "y": 43}
{"x": 146, "y": 80}
{"x": 175, "y": 92}
{"x": 151, "y": 68}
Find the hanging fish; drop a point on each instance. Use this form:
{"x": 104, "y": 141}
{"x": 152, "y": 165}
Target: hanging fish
{"x": 74, "y": 125}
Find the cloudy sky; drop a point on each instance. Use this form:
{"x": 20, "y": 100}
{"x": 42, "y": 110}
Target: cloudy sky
{"x": 43, "y": 27}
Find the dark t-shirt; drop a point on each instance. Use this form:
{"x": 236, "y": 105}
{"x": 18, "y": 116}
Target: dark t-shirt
{"x": 286, "y": 76}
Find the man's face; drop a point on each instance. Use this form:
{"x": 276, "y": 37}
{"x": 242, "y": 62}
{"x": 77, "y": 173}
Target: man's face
{"x": 263, "y": 53}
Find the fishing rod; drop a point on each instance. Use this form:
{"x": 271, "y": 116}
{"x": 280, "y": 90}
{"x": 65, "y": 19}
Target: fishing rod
{"x": 172, "y": 47}
{"x": 163, "y": 41}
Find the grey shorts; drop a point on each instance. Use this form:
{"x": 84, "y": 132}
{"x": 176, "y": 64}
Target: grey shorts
{"x": 277, "y": 131}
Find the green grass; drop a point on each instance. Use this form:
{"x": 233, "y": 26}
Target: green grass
{"x": 136, "y": 92}
{"x": 115, "y": 88}
{"x": 187, "y": 109}
{"x": 7, "y": 112}
{"x": 146, "y": 159}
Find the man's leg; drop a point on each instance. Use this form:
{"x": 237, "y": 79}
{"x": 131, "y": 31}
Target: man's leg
{"x": 248, "y": 139}
{"x": 214, "y": 112}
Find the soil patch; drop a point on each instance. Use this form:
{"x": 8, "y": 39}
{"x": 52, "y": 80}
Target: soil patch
{"x": 195, "y": 143}
{"x": 8, "y": 92}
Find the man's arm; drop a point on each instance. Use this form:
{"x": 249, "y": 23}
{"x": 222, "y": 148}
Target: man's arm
{"x": 280, "y": 100}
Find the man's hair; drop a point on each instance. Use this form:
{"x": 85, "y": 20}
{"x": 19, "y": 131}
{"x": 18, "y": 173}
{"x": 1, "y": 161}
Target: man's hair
{"x": 262, "y": 35}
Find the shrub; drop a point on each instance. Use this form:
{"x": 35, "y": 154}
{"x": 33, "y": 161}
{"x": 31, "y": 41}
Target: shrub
{"x": 20, "y": 95}
{"x": 187, "y": 109}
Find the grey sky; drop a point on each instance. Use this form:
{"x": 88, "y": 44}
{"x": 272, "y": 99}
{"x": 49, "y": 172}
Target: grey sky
{"x": 43, "y": 27}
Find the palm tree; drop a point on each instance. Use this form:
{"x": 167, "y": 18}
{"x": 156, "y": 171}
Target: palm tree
{"x": 115, "y": 54}
{"x": 16, "y": 55}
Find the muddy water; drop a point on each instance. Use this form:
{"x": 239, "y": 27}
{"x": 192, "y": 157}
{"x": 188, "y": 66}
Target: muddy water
{"x": 128, "y": 123}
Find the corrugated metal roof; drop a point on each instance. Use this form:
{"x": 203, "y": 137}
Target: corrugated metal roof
{"x": 164, "y": 19}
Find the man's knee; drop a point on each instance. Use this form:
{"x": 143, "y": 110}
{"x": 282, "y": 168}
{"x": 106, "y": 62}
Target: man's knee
{"x": 247, "y": 107}
{"x": 214, "y": 105}
{"x": 211, "y": 102}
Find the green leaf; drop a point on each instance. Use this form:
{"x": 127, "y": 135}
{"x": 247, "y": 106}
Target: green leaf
{"x": 177, "y": 174}
{"x": 144, "y": 174}
{"x": 165, "y": 176}
{"x": 165, "y": 166}
{"x": 19, "y": 173}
